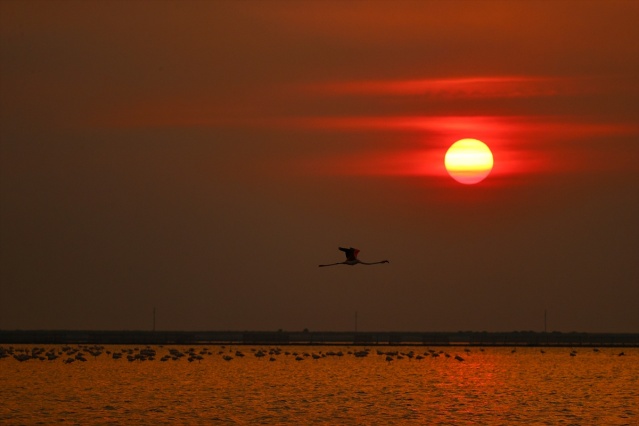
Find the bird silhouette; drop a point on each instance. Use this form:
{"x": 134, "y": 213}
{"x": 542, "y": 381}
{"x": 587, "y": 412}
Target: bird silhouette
{"x": 351, "y": 258}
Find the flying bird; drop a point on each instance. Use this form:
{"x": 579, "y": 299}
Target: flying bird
{"x": 351, "y": 258}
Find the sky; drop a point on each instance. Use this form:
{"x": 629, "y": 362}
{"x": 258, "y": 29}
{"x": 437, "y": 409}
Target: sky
{"x": 204, "y": 157}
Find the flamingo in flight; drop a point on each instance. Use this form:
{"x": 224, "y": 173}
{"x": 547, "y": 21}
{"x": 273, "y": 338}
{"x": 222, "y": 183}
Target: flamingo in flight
{"x": 351, "y": 258}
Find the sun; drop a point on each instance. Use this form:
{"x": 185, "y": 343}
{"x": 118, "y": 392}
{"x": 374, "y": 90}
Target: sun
{"x": 468, "y": 161}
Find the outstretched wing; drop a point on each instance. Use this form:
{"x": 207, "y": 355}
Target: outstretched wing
{"x": 351, "y": 253}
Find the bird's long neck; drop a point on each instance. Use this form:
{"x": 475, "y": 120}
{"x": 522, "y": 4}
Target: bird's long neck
{"x": 373, "y": 263}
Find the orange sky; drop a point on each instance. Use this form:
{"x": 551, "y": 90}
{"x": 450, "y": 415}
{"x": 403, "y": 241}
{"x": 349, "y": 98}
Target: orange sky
{"x": 204, "y": 157}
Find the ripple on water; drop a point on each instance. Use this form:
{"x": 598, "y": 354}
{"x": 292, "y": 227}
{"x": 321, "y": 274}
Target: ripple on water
{"x": 493, "y": 386}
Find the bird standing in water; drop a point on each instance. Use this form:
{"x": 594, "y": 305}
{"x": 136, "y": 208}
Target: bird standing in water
{"x": 351, "y": 258}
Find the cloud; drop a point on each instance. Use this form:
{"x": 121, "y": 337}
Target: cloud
{"x": 455, "y": 88}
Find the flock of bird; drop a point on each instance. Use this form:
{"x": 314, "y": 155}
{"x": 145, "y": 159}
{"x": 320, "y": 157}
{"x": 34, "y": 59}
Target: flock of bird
{"x": 82, "y": 353}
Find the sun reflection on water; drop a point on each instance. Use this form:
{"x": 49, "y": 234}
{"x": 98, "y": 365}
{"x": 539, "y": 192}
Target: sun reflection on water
{"x": 326, "y": 385}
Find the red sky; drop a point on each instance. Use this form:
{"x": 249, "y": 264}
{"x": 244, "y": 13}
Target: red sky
{"x": 205, "y": 157}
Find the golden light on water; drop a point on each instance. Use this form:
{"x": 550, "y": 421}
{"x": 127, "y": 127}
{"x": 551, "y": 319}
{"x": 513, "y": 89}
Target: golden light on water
{"x": 468, "y": 161}
{"x": 323, "y": 385}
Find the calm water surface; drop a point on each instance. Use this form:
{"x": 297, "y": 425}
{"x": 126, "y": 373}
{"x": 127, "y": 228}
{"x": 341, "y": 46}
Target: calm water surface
{"x": 493, "y": 386}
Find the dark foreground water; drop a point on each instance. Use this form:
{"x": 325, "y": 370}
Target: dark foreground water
{"x": 317, "y": 385}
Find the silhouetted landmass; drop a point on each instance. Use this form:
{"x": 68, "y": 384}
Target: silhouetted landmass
{"x": 466, "y": 338}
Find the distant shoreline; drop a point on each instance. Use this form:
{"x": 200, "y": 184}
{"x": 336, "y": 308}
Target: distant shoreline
{"x": 337, "y": 338}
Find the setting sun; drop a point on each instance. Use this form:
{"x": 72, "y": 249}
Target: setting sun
{"x": 468, "y": 161}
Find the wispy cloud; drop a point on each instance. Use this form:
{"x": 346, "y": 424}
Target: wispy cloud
{"x": 466, "y": 87}
{"x": 461, "y": 125}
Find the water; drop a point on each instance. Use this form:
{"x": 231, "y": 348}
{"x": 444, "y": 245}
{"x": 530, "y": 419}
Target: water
{"x": 493, "y": 386}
